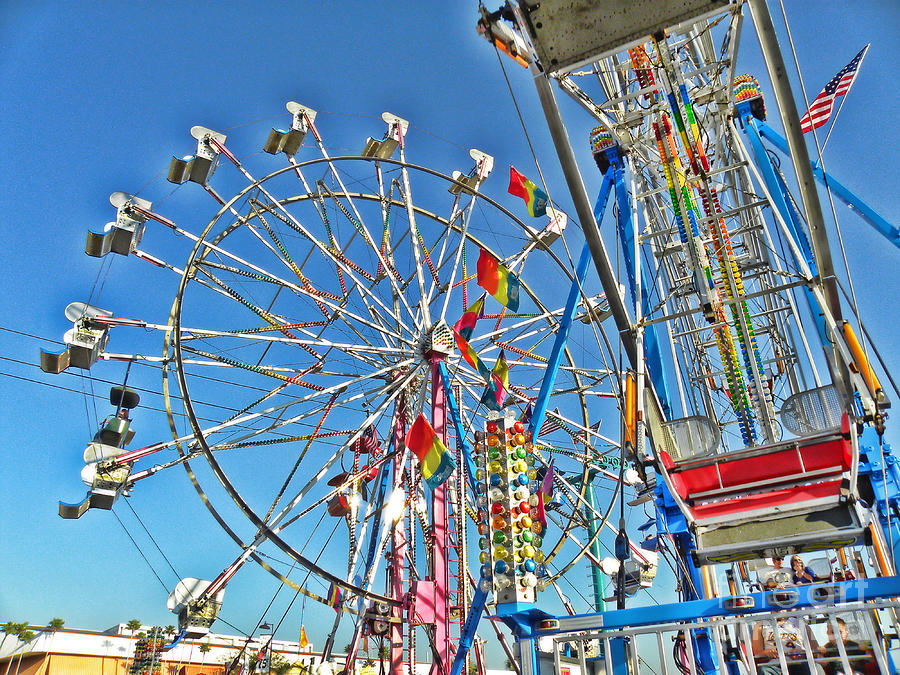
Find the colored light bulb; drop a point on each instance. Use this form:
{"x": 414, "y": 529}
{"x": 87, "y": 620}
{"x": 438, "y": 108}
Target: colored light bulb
{"x": 528, "y": 536}
{"x": 493, "y": 441}
{"x": 492, "y": 427}
{"x": 528, "y": 551}
{"x": 524, "y": 506}
{"x": 497, "y": 508}
{"x": 519, "y": 427}
{"x": 498, "y": 523}
{"x": 525, "y": 522}
{"x": 529, "y": 565}
{"x": 500, "y": 567}
{"x": 500, "y": 553}
{"x": 520, "y": 439}
{"x": 494, "y": 467}
{"x": 499, "y": 537}
{"x": 532, "y": 474}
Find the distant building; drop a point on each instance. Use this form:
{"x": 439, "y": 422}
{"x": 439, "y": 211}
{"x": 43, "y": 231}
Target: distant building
{"x": 111, "y": 652}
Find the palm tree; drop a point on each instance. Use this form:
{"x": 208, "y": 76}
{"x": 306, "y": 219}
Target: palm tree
{"x": 133, "y": 625}
{"x": 9, "y": 628}
{"x": 170, "y": 630}
{"x": 203, "y": 649}
{"x": 25, "y": 635}
{"x": 55, "y": 624}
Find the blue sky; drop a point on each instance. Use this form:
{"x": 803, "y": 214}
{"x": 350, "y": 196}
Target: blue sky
{"x": 96, "y": 98}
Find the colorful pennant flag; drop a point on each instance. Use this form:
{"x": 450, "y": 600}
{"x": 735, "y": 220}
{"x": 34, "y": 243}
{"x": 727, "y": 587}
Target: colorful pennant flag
{"x": 334, "y": 597}
{"x": 497, "y": 280}
{"x": 539, "y": 512}
{"x": 495, "y": 393}
{"x": 547, "y": 483}
{"x": 435, "y": 461}
{"x": 535, "y": 198}
{"x": 471, "y": 356}
{"x": 525, "y": 417}
{"x": 304, "y": 641}
{"x": 467, "y": 321}
{"x": 821, "y": 107}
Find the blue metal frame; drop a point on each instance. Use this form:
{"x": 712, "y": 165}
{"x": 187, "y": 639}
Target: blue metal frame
{"x": 850, "y": 591}
{"x": 866, "y": 212}
{"x": 565, "y": 321}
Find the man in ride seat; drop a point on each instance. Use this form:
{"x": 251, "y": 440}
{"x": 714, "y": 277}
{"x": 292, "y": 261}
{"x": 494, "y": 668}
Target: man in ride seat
{"x": 793, "y": 637}
{"x": 856, "y": 653}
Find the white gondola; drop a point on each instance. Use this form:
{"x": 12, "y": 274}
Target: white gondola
{"x": 84, "y": 342}
{"x": 196, "y": 612}
{"x": 123, "y": 235}
{"x": 199, "y": 167}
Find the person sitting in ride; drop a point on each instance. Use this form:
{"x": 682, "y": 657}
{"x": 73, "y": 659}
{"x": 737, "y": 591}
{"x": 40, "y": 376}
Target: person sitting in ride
{"x": 856, "y": 653}
{"x": 793, "y": 637}
{"x": 801, "y": 573}
{"x": 776, "y": 574}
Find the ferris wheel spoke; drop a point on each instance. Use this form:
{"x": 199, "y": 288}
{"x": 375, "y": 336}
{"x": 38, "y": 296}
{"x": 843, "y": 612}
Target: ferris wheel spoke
{"x": 391, "y": 391}
{"x": 458, "y": 253}
{"x": 337, "y": 177}
{"x": 258, "y": 334}
{"x": 343, "y": 386}
{"x": 281, "y": 323}
{"x": 415, "y": 243}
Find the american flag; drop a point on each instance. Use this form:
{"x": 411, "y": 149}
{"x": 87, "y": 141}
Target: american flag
{"x": 369, "y": 440}
{"x": 550, "y": 424}
{"x": 820, "y": 110}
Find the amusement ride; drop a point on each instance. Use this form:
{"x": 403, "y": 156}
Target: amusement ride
{"x": 455, "y": 402}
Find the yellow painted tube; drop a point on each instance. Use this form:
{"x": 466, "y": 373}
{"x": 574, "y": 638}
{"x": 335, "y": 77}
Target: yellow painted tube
{"x": 861, "y": 363}
{"x": 881, "y": 557}
{"x": 630, "y": 410}
{"x": 709, "y": 588}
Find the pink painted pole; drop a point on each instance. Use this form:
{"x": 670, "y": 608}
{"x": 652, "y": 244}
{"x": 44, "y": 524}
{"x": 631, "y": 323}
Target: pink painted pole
{"x": 398, "y": 554}
{"x": 439, "y": 523}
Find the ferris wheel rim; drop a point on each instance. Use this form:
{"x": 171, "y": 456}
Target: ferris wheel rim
{"x": 175, "y": 328}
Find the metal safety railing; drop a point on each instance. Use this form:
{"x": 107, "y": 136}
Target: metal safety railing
{"x": 822, "y": 629}
{"x": 795, "y": 647}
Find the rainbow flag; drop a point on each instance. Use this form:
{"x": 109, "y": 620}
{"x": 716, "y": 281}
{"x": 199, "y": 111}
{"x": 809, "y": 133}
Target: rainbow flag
{"x": 435, "y": 461}
{"x": 497, "y": 280}
{"x": 471, "y": 356}
{"x": 334, "y": 597}
{"x": 535, "y": 198}
{"x": 495, "y": 393}
{"x": 467, "y": 321}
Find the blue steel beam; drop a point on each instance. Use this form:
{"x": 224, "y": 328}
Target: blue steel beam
{"x": 778, "y": 192}
{"x": 476, "y": 609}
{"x": 866, "y": 212}
{"x": 565, "y": 322}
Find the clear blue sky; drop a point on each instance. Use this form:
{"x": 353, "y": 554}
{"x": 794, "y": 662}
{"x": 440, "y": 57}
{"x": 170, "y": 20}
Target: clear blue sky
{"x": 97, "y": 96}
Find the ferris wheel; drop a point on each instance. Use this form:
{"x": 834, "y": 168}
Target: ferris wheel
{"x": 314, "y": 318}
